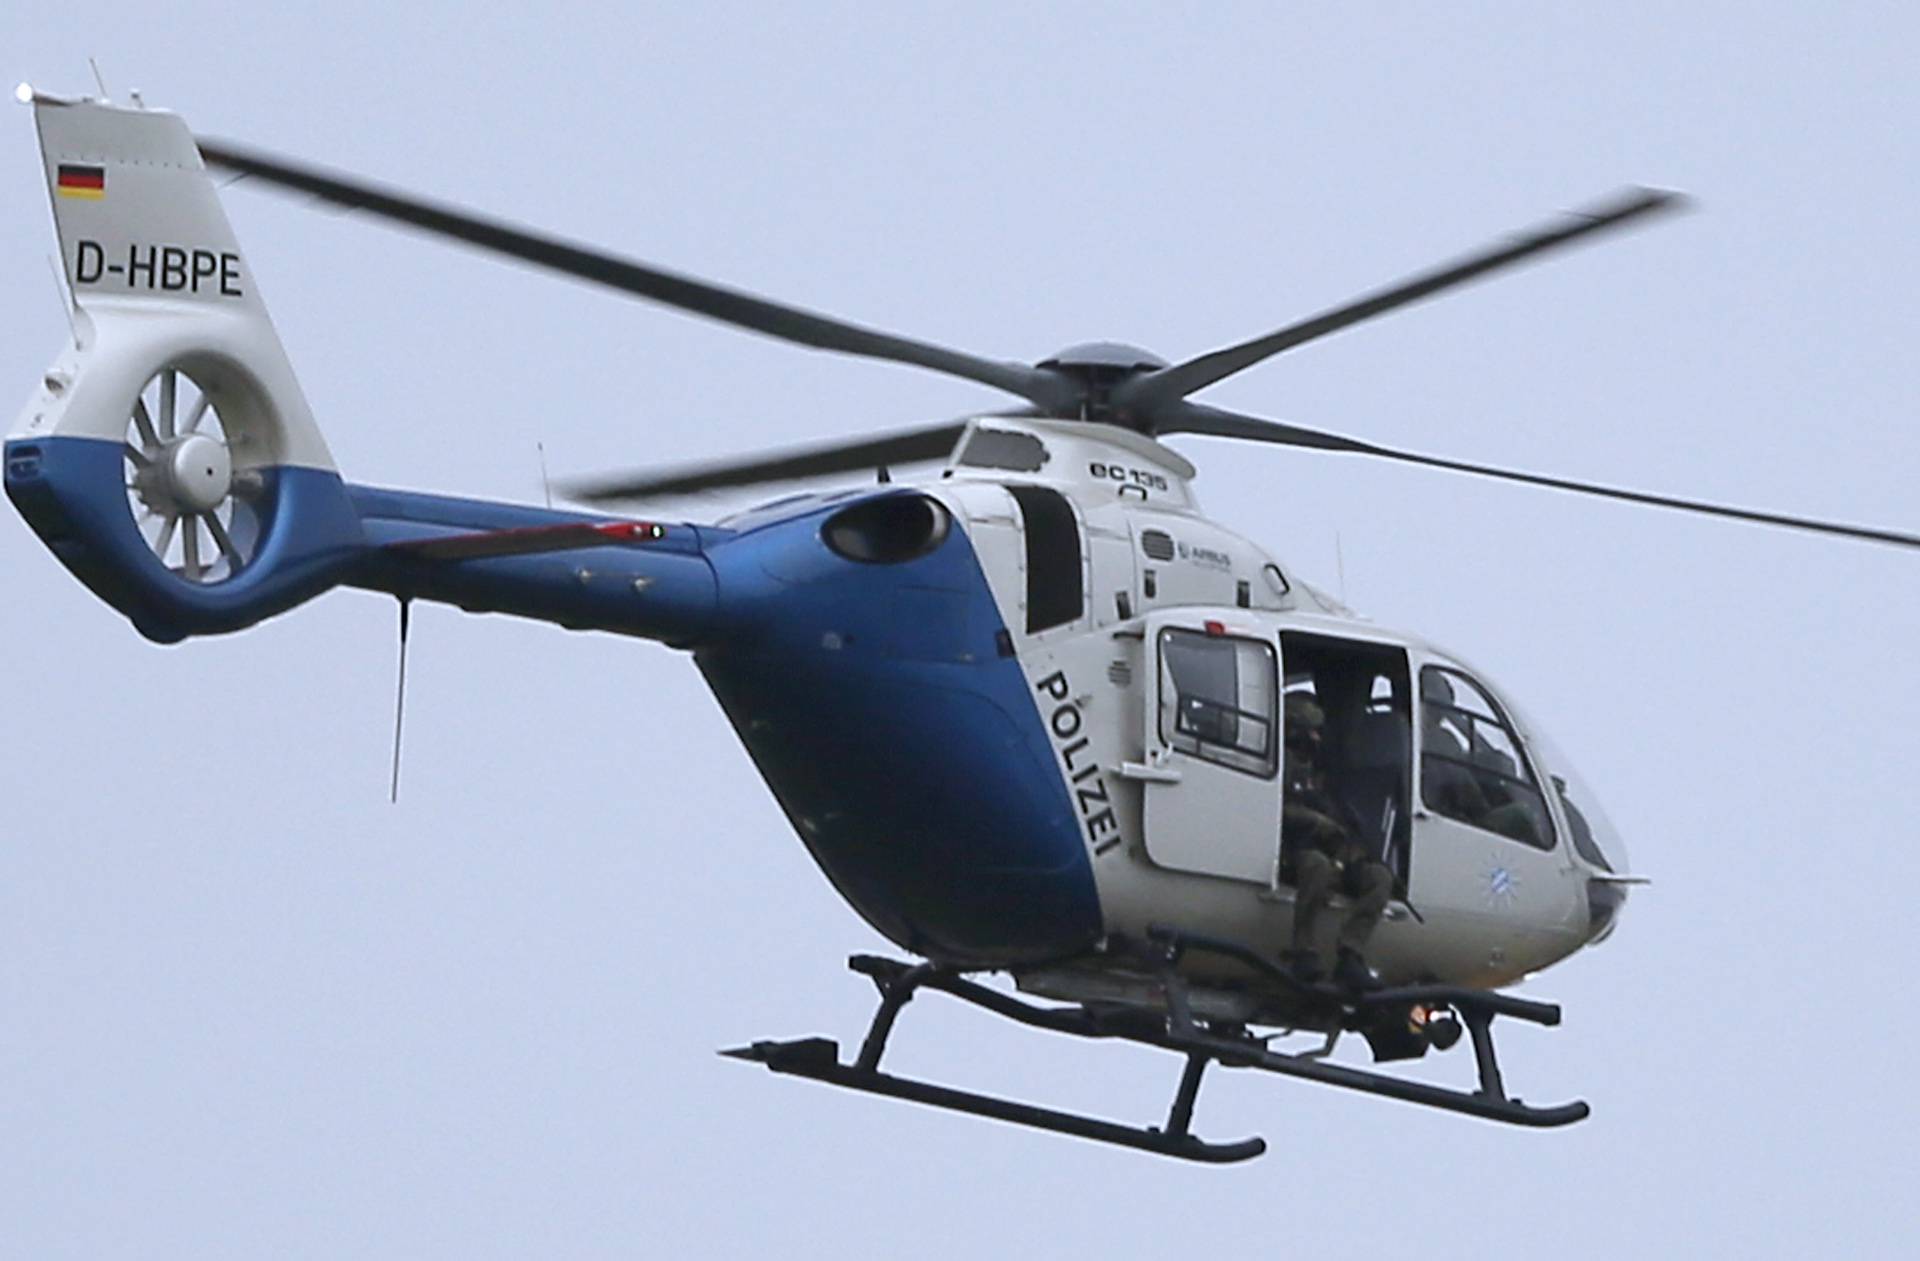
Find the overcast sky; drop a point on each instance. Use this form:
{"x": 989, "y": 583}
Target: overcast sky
{"x": 247, "y": 1008}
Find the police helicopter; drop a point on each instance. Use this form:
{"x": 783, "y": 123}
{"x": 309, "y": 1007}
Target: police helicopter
{"x": 1031, "y": 712}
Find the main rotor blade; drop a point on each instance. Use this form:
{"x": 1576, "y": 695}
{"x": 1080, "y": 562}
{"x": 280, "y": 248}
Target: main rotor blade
{"x": 903, "y": 446}
{"x": 1196, "y": 419}
{"x": 1143, "y": 395}
{"x": 729, "y": 306}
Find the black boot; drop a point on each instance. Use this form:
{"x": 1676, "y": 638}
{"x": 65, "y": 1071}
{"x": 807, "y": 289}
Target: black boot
{"x": 1351, "y": 972}
{"x": 1303, "y": 966}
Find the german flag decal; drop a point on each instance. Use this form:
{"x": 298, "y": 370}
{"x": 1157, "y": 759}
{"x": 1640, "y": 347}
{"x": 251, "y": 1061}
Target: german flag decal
{"x": 82, "y": 181}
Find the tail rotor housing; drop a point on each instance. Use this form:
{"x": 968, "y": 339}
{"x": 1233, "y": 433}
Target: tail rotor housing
{"x": 168, "y": 456}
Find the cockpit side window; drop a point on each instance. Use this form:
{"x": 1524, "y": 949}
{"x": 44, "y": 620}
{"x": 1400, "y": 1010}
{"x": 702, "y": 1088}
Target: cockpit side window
{"x": 1472, "y": 769}
{"x": 1002, "y": 449}
{"x": 1218, "y": 695}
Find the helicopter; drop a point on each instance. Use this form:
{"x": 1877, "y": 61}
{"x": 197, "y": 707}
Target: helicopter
{"x": 1028, "y": 709}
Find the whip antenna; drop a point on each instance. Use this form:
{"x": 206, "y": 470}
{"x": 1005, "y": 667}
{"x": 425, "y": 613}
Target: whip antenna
{"x": 400, "y": 697}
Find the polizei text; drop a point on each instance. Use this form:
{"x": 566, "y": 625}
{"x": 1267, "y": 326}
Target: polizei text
{"x": 1084, "y": 780}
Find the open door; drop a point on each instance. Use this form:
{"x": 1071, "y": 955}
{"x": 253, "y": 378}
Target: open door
{"x": 1212, "y": 743}
{"x": 1362, "y": 691}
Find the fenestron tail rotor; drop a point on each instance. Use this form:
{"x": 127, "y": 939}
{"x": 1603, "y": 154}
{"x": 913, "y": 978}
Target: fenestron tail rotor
{"x": 181, "y": 485}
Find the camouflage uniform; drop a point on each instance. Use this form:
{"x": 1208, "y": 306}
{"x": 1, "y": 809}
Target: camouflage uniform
{"x": 1324, "y": 853}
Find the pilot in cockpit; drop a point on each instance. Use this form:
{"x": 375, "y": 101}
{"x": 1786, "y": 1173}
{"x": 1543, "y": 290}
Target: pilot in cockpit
{"x": 1320, "y": 850}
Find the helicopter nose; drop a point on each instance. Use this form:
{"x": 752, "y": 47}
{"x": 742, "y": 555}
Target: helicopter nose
{"x": 1605, "y": 900}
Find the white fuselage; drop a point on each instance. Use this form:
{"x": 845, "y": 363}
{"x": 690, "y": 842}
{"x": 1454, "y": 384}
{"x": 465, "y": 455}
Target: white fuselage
{"x": 1180, "y": 832}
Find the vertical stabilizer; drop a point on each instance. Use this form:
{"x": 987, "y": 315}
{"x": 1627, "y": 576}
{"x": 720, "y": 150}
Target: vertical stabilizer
{"x": 168, "y": 456}
{"x": 156, "y": 275}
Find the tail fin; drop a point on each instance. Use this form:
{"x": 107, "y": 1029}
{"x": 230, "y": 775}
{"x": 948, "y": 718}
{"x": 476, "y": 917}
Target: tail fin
{"x": 169, "y": 456}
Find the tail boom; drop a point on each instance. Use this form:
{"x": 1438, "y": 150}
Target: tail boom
{"x": 205, "y": 516}
{"x": 487, "y": 557}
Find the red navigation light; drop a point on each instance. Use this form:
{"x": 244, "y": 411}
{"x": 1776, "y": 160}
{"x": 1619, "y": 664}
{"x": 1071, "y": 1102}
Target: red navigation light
{"x": 632, "y": 531}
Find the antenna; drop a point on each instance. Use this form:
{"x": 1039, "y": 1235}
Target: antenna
{"x": 400, "y": 697}
{"x": 545, "y": 485}
{"x": 100, "y": 79}
{"x": 1340, "y": 562}
{"x": 66, "y": 297}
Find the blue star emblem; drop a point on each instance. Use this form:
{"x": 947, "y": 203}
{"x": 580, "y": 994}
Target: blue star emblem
{"x": 1503, "y": 886}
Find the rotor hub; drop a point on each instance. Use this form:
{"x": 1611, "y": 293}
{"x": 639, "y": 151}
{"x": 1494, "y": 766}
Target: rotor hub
{"x": 199, "y": 472}
{"x": 1095, "y": 369}
{"x": 1104, "y": 358}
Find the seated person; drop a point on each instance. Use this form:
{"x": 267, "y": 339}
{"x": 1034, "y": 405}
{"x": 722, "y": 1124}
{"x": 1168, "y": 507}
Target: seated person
{"x": 1318, "y": 842}
{"x": 1512, "y": 819}
{"x": 1448, "y": 783}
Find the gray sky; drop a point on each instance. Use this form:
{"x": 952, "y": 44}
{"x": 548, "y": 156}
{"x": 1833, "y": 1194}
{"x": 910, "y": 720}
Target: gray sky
{"x": 248, "y": 1009}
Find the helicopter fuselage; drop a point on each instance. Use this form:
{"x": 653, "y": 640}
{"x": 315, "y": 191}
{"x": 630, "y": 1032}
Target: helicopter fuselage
{"x": 1020, "y": 711}
{"x": 959, "y": 691}
{"x": 980, "y": 744}
{"x": 964, "y": 710}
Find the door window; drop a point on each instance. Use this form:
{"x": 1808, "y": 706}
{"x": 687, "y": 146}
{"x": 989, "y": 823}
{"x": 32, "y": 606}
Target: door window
{"x": 1055, "y": 594}
{"x": 1217, "y": 699}
{"x": 1472, "y": 769}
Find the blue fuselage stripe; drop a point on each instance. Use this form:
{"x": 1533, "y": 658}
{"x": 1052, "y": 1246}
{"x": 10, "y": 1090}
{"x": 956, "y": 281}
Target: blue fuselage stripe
{"x": 905, "y": 748}
{"x": 904, "y": 745}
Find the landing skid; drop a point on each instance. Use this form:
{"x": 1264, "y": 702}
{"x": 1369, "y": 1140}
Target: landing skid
{"x": 1230, "y": 1045}
{"x": 819, "y": 1059}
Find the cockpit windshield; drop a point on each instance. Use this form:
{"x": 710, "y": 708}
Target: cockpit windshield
{"x": 1594, "y": 836}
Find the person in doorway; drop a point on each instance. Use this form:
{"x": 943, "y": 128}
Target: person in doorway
{"x": 1320, "y": 843}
